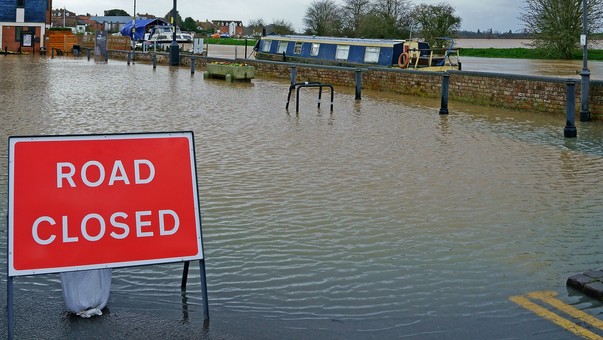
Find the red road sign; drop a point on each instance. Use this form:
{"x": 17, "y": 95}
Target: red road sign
{"x": 98, "y": 201}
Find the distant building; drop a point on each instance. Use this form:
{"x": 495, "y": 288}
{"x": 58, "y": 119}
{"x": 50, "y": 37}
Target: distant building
{"x": 64, "y": 18}
{"x": 19, "y": 18}
{"x": 206, "y": 26}
{"x": 112, "y": 24}
{"x": 230, "y": 27}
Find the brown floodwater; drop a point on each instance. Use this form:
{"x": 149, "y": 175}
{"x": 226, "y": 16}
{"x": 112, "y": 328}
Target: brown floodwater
{"x": 381, "y": 219}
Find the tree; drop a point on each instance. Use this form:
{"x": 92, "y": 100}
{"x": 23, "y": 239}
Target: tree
{"x": 116, "y": 13}
{"x": 556, "y": 25}
{"x": 281, "y": 27}
{"x": 353, "y": 12}
{"x": 322, "y": 18}
{"x": 190, "y": 25}
{"x": 387, "y": 19}
{"x": 436, "y": 21}
{"x": 256, "y": 26}
{"x": 375, "y": 26}
{"x": 177, "y": 22}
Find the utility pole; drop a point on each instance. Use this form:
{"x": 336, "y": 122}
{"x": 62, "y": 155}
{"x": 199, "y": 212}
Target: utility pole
{"x": 174, "y": 48}
{"x": 585, "y": 74}
{"x": 134, "y": 29}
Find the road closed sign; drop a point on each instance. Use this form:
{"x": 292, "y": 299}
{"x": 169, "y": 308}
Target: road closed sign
{"x": 102, "y": 201}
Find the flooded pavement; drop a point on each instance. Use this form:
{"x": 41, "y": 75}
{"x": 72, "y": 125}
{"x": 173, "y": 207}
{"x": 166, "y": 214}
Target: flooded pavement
{"x": 380, "y": 220}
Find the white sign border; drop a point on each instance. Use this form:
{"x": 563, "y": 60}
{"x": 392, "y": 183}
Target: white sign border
{"x": 13, "y": 140}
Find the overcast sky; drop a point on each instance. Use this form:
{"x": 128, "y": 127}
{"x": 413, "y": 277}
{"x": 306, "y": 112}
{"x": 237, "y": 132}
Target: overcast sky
{"x": 499, "y": 15}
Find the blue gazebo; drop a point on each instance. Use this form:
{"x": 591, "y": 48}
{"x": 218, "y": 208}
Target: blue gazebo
{"x": 141, "y": 27}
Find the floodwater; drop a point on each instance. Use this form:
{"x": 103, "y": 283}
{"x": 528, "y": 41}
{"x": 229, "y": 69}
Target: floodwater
{"x": 379, "y": 220}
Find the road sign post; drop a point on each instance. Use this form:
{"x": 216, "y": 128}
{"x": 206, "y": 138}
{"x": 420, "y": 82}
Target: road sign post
{"x": 102, "y": 201}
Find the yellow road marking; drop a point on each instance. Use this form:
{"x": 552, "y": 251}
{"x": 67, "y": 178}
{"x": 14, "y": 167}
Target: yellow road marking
{"x": 546, "y": 314}
{"x": 549, "y": 297}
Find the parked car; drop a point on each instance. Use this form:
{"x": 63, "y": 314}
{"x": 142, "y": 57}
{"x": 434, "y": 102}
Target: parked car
{"x": 224, "y": 35}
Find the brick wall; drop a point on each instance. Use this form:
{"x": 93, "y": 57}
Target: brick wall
{"x": 538, "y": 94}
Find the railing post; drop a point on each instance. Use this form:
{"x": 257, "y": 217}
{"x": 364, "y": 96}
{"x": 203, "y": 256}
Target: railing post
{"x": 319, "y": 95}
{"x": 358, "y": 84}
{"x": 444, "y": 104}
{"x": 293, "y": 75}
{"x": 570, "y": 110}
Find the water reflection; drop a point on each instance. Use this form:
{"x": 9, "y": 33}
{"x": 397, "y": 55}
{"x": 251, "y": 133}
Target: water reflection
{"x": 380, "y": 219}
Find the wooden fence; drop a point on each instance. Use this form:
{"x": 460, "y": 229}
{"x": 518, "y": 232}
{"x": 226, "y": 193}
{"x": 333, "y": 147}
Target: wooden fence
{"x": 62, "y": 42}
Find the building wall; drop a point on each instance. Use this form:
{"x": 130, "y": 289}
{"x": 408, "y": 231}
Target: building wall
{"x": 11, "y": 43}
{"x": 36, "y": 18}
{"x": 8, "y": 11}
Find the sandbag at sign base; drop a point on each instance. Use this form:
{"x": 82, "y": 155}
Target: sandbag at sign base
{"x": 86, "y": 292}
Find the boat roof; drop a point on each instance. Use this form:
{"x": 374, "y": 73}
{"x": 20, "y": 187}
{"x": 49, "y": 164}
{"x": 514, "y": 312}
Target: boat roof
{"x": 335, "y": 40}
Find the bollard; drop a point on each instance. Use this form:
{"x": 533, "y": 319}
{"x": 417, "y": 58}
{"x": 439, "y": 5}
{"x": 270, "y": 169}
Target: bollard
{"x": 245, "y": 48}
{"x": 88, "y": 54}
{"x": 293, "y": 75}
{"x": 236, "y": 52}
{"x": 444, "y": 105}
{"x": 129, "y": 58}
{"x": 193, "y": 65}
{"x": 570, "y": 110}
{"x": 52, "y": 54}
{"x": 358, "y": 84}
{"x": 155, "y": 60}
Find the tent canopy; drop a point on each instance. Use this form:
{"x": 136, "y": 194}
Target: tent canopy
{"x": 141, "y": 27}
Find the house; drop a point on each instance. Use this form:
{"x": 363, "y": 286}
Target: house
{"x": 112, "y": 24}
{"x": 64, "y": 18}
{"x": 230, "y": 27}
{"x": 23, "y": 23}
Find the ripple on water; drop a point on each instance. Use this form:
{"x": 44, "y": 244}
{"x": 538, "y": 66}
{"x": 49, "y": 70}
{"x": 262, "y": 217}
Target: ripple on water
{"x": 382, "y": 213}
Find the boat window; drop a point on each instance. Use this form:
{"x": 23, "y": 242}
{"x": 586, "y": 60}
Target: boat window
{"x": 298, "y": 48}
{"x": 315, "y": 49}
{"x": 282, "y": 47}
{"x": 266, "y": 44}
{"x": 371, "y": 55}
{"x": 342, "y": 52}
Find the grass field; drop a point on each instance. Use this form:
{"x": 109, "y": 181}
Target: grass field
{"x": 523, "y": 53}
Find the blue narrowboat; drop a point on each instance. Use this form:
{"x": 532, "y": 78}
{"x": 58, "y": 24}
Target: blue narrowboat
{"x": 353, "y": 52}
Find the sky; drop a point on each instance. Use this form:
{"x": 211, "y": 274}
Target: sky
{"x": 498, "y": 15}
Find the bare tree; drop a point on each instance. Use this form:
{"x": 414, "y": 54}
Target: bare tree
{"x": 387, "y": 19}
{"x": 281, "y": 27}
{"x": 256, "y": 26}
{"x": 322, "y": 18}
{"x": 556, "y": 25}
{"x": 353, "y": 12}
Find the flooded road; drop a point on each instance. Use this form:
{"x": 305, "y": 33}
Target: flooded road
{"x": 380, "y": 220}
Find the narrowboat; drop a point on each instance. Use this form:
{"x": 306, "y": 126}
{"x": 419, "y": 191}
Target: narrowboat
{"x": 354, "y": 52}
